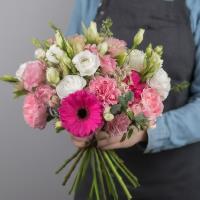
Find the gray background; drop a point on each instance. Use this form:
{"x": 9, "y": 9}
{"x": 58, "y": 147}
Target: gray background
{"x": 28, "y": 158}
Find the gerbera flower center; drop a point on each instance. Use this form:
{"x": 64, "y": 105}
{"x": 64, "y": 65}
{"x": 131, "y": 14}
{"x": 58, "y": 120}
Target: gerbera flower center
{"x": 82, "y": 113}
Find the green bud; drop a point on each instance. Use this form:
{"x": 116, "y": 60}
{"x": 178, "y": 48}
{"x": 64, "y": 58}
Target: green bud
{"x": 58, "y": 126}
{"x": 52, "y": 76}
{"x": 159, "y": 50}
{"x": 103, "y": 48}
{"x": 59, "y": 40}
{"x": 122, "y": 58}
{"x": 138, "y": 38}
{"x": 149, "y": 50}
{"x": 108, "y": 117}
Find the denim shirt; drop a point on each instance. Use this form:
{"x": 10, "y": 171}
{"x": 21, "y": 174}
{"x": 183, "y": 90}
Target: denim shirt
{"x": 175, "y": 128}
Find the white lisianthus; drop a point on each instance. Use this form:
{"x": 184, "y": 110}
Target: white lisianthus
{"x": 136, "y": 60}
{"x": 86, "y": 63}
{"x": 161, "y": 82}
{"x": 54, "y": 54}
{"x": 70, "y": 84}
{"x": 21, "y": 69}
{"x": 40, "y": 54}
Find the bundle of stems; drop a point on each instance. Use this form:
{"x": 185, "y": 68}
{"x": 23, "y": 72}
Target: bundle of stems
{"x": 107, "y": 169}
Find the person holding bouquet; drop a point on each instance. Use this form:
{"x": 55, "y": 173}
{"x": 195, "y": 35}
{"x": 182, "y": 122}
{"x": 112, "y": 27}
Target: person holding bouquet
{"x": 166, "y": 158}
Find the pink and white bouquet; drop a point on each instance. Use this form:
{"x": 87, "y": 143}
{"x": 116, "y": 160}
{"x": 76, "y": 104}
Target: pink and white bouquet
{"x": 91, "y": 83}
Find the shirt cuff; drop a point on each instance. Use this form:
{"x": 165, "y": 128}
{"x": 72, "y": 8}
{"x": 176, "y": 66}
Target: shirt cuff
{"x": 158, "y": 137}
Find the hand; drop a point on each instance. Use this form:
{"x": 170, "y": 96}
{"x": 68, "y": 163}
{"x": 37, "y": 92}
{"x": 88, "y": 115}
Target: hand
{"x": 81, "y": 142}
{"x": 107, "y": 142}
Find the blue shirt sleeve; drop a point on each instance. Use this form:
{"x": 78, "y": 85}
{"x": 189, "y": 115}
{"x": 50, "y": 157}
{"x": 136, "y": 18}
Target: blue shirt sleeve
{"x": 84, "y": 11}
{"x": 181, "y": 126}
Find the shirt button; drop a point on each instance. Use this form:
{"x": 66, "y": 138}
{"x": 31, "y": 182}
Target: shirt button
{"x": 102, "y": 12}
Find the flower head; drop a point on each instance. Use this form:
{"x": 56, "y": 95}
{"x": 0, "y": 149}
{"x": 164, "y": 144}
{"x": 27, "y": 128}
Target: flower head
{"x": 86, "y": 63}
{"x": 35, "y": 112}
{"x": 33, "y": 75}
{"x": 116, "y": 46}
{"x": 108, "y": 64}
{"x": 105, "y": 89}
{"x": 70, "y": 84}
{"x": 81, "y": 113}
{"x": 54, "y": 54}
{"x": 119, "y": 125}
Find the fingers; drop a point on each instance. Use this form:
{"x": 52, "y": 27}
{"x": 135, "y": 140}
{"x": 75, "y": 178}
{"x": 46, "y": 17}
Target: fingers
{"x": 102, "y": 135}
{"x": 104, "y": 142}
{"x": 117, "y": 145}
{"x": 80, "y": 142}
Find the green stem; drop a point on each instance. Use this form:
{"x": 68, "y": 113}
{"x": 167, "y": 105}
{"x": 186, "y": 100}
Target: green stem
{"x": 110, "y": 183}
{"x": 96, "y": 189}
{"x": 126, "y": 174}
{"x": 68, "y": 161}
{"x": 100, "y": 174}
{"x": 72, "y": 168}
{"x": 119, "y": 178}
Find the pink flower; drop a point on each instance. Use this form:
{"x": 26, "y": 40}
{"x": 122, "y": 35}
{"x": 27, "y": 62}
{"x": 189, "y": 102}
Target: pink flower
{"x": 108, "y": 64}
{"x": 105, "y": 89}
{"x": 152, "y": 104}
{"x": 92, "y": 48}
{"x": 135, "y": 85}
{"x": 33, "y": 75}
{"x": 116, "y": 46}
{"x": 44, "y": 93}
{"x": 35, "y": 112}
{"x": 81, "y": 113}
{"x": 119, "y": 125}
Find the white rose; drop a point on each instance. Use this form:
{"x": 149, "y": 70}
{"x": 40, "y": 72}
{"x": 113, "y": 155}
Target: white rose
{"x": 86, "y": 63}
{"x": 40, "y": 54}
{"x": 161, "y": 82}
{"x": 70, "y": 84}
{"x": 136, "y": 60}
{"x": 54, "y": 54}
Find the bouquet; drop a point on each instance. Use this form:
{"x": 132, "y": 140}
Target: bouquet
{"x": 91, "y": 83}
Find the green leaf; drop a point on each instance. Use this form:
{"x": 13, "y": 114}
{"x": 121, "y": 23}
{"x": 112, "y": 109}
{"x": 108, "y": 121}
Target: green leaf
{"x": 141, "y": 122}
{"x": 19, "y": 93}
{"x": 9, "y": 79}
{"x": 123, "y": 138}
{"x": 130, "y": 133}
{"x": 115, "y": 109}
{"x": 130, "y": 115}
{"x": 37, "y": 43}
{"x": 129, "y": 96}
{"x": 180, "y": 87}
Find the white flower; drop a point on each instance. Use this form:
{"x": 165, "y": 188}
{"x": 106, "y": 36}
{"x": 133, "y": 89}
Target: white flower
{"x": 40, "y": 54}
{"x": 161, "y": 82}
{"x": 21, "y": 69}
{"x": 86, "y": 63}
{"x": 54, "y": 54}
{"x": 136, "y": 60}
{"x": 70, "y": 84}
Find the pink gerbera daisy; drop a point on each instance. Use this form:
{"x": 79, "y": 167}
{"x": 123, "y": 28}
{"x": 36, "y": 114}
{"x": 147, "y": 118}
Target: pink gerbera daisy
{"x": 81, "y": 113}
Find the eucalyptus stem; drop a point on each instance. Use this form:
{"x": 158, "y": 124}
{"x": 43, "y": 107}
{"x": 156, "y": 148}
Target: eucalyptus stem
{"x": 119, "y": 178}
{"x": 68, "y": 161}
{"x": 72, "y": 168}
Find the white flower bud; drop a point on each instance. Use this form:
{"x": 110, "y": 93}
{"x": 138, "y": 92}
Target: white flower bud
{"x": 52, "y": 76}
{"x": 138, "y": 38}
{"x": 103, "y": 48}
{"x": 40, "y": 54}
{"x": 54, "y": 54}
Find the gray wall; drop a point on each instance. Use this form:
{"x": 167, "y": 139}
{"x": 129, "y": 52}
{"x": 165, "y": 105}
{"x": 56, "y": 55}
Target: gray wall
{"x": 28, "y": 158}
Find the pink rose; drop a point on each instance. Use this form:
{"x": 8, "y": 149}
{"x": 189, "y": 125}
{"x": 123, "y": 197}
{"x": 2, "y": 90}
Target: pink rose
{"x": 35, "y": 112}
{"x": 33, "y": 75}
{"x": 108, "y": 64}
{"x": 44, "y": 93}
{"x": 105, "y": 89}
{"x": 152, "y": 104}
{"x": 119, "y": 125}
{"x": 116, "y": 46}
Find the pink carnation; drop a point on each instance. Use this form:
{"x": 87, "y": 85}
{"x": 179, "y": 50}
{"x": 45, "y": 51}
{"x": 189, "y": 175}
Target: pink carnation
{"x": 44, "y": 93}
{"x": 119, "y": 125}
{"x": 108, "y": 64}
{"x": 151, "y": 104}
{"x": 35, "y": 112}
{"x": 135, "y": 85}
{"x": 116, "y": 46}
{"x": 105, "y": 89}
{"x": 33, "y": 75}
{"x": 92, "y": 48}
